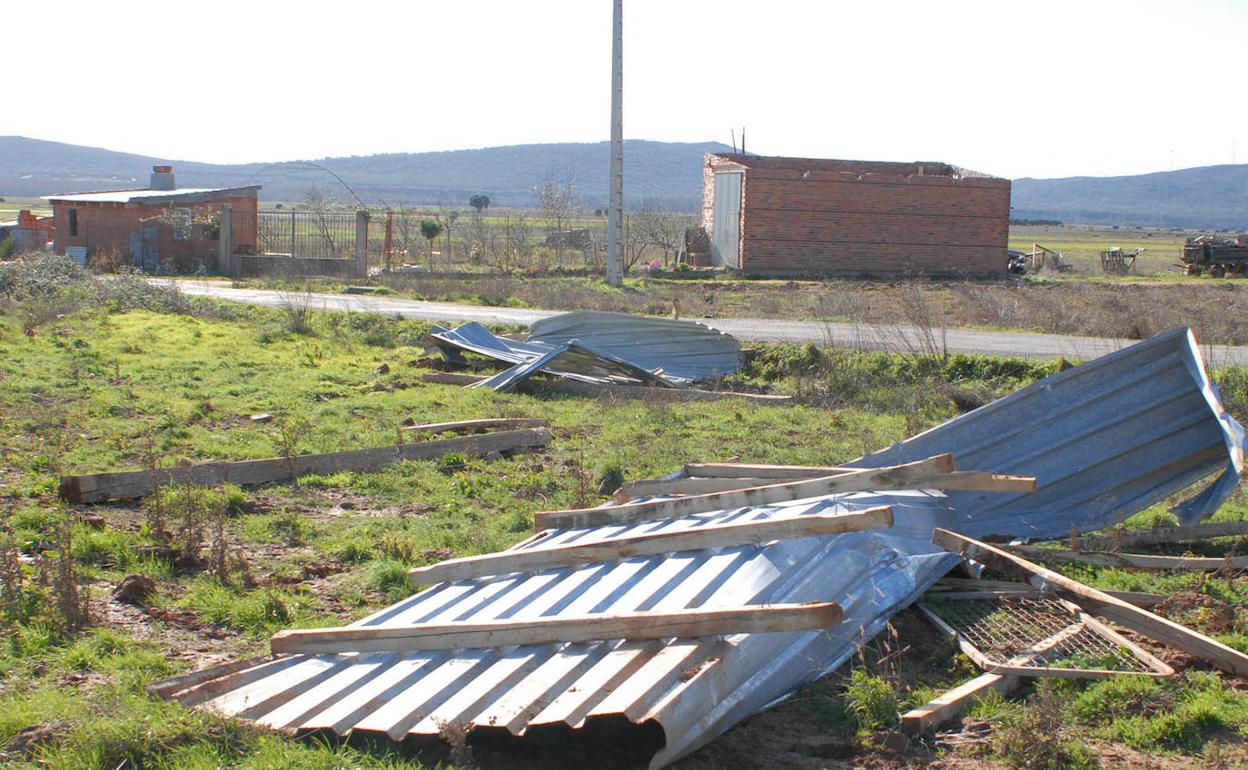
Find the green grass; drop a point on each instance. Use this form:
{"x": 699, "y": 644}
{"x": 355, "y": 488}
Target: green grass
{"x": 96, "y": 390}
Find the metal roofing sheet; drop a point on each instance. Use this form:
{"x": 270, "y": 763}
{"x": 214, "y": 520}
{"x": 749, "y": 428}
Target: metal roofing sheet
{"x": 592, "y": 346}
{"x": 126, "y": 196}
{"x": 1105, "y": 439}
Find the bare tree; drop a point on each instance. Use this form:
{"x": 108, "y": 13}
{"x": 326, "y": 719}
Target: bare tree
{"x": 665, "y": 230}
{"x": 560, "y": 204}
{"x": 321, "y": 201}
{"x": 635, "y": 243}
{"x": 448, "y": 219}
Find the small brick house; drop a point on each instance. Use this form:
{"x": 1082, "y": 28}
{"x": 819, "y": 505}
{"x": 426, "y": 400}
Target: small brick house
{"x": 162, "y": 228}
{"x": 800, "y": 216}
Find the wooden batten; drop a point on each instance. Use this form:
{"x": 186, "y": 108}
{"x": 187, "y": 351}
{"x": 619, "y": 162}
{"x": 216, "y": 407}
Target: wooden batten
{"x": 129, "y": 484}
{"x": 647, "y": 544}
{"x": 694, "y": 623}
{"x": 892, "y": 477}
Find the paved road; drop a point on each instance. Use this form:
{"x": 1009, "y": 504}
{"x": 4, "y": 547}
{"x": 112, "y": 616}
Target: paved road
{"x": 895, "y": 338}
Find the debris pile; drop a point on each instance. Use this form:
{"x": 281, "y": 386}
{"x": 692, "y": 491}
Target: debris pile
{"x": 755, "y": 579}
{"x": 599, "y": 348}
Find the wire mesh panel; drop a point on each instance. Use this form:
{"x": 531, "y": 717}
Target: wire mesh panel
{"x": 1037, "y": 633}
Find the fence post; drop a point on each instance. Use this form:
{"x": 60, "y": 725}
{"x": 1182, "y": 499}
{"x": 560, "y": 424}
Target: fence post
{"x": 389, "y": 249}
{"x": 225, "y": 241}
{"x": 361, "y": 244}
{"x": 292, "y": 233}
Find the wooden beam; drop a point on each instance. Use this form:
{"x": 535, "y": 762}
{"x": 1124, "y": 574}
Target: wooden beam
{"x": 450, "y": 378}
{"x": 691, "y": 623}
{"x": 128, "y": 484}
{"x": 593, "y": 390}
{"x": 1111, "y": 608}
{"x": 973, "y": 480}
{"x": 751, "y": 471}
{"x": 1135, "y": 538}
{"x": 650, "y": 543}
{"x": 950, "y": 705}
{"x": 468, "y": 426}
{"x": 1128, "y": 560}
{"x": 657, "y": 487}
{"x": 947, "y": 587}
{"x": 892, "y": 477}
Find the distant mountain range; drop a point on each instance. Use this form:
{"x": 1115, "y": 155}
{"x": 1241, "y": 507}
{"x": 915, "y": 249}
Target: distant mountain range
{"x": 1208, "y": 197}
{"x": 667, "y": 173}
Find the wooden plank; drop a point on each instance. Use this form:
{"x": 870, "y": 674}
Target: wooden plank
{"x": 751, "y": 471}
{"x": 950, "y": 705}
{"x": 593, "y": 390}
{"x": 1111, "y": 608}
{"x": 984, "y": 481}
{"x": 1137, "y": 560}
{"x": 657, "y": 487}
{"x": 695, "y": 623}
{"x": 1135, "y": 538}
{"x": 973, "y": 480}
{"x": 950, "y": 588}
{"x": 893, "y": 477}
{"x": 650, "y": 543}
{"x": 127, "y": 484}
{"x": 451, "y": 378}
{"x": 466, "y": 426}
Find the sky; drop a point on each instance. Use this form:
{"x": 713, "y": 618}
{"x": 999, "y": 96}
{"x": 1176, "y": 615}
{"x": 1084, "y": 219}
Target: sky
{"x": 1095, "y": 87}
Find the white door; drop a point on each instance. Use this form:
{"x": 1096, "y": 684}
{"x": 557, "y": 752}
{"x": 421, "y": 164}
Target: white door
{"x": 726, "y": 220}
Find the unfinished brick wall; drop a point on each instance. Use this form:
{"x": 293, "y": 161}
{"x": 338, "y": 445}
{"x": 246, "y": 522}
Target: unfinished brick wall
{"x": 816, "y": 217}
{"x": 106, "y": 227}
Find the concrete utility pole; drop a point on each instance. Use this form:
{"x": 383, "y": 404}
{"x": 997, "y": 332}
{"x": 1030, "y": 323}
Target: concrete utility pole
{"x": 615, "y": 206}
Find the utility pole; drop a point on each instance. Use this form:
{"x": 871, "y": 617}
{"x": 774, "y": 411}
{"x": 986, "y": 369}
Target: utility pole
{"x": 615, "y": 206}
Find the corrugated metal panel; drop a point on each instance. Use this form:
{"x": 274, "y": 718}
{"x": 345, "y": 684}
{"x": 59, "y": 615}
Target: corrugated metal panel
{"x": 1106, "y": 439}
{"x": 726, "y": 220}
{"x": 594, "y": 346}
{"x": 1103, "y": 440}
{"x": 684, "y": 350}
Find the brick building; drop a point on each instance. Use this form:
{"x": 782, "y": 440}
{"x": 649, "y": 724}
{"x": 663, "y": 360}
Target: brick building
{"x": 799, "y": 216}
{"x": 162, "y": 228}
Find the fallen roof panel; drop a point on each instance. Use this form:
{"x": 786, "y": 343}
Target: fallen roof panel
{"x": 598, "y": 347}
{"x": 1105, "y": 439}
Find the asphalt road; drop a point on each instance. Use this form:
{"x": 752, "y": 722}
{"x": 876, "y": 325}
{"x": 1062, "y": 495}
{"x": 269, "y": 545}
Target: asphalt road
{"x": 849, "y": 335}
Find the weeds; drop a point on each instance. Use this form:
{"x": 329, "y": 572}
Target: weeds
{"x": 871, "y": 701}
{"x": 1037, "y": 739}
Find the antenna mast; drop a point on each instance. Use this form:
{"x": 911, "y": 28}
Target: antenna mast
{"x": 615, "y": 206}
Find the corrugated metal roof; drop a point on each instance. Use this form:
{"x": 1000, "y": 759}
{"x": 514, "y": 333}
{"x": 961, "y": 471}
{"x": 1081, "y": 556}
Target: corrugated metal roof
{"x": 594, "y": 346}
{"x": 1105, "y": 439}
{"x": 153, "y": 196}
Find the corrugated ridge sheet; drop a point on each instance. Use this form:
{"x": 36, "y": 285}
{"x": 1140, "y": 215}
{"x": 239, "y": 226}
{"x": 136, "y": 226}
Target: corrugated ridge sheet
{"x": 1097, "y": 463}
{"x": 681, "y": 349}
{"x": 1103, "y": 439}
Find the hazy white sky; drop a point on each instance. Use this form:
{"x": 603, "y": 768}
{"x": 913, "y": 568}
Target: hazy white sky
{"x": 1058, "y": 88}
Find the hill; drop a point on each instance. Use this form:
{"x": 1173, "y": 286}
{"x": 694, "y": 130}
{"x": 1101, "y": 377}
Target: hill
{"x": 669, "y": 173}
{"x": 1202, "y": 198}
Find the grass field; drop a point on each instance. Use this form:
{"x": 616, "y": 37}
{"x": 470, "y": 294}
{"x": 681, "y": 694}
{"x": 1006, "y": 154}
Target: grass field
{"x": 87, "y": 387}
{"x": 11, "y": 205}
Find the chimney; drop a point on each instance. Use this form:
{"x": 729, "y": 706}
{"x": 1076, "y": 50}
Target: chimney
{"x": 162, "y": 178}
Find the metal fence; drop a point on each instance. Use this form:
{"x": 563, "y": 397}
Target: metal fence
{"x": 306, "y": 234}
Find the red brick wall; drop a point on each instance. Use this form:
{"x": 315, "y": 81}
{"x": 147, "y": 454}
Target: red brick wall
{"x": 107, "y": 227}
{"x": 844, "y": 217}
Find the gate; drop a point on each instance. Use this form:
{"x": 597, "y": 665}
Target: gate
{"x": 145, "y": 249}
{"x": 726, "y": 221}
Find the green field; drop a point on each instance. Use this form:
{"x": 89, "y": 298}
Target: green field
{"x": 98, "y": 376}
{"x": 11, "y": 205}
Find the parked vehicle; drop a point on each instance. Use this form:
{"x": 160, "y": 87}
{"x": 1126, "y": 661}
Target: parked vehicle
{"x": 1216, "y": 256}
